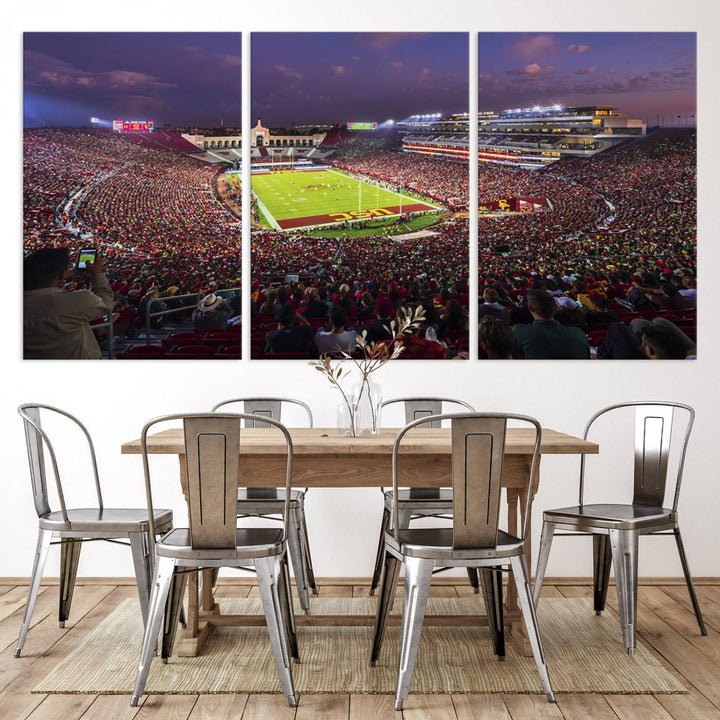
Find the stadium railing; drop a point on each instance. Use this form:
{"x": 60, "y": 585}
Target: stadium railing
{"x": 192, "y": 301}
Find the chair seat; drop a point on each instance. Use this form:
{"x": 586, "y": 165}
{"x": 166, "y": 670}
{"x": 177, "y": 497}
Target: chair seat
{"x": 121, "y": 520}
{"x": 250, "y": 543}
{"x": 615, "y": 517}
{"x": 437, "y": 543}
{"x": 268, "y": 500}
{"x": 421, "y": 499}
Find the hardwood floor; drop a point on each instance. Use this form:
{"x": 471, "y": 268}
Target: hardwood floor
{"x": 665, "y": 623}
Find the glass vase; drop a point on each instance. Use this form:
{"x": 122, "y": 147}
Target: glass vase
{"x": 367, "y": 397}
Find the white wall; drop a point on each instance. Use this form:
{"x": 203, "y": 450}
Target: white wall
{"x": 115, "y": 399}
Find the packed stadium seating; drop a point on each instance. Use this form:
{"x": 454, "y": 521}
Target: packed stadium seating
{"x": 625, "y": 215}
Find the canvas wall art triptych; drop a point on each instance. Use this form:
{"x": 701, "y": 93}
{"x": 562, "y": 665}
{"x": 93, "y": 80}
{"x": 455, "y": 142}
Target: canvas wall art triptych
{"x": 363, "y": 231}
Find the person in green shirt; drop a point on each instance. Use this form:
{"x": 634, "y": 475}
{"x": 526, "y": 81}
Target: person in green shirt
{"x": 545, "y": 338}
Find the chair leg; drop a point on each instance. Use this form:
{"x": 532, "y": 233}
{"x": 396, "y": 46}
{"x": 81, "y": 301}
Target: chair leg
{"x": 493, "y": 597}
{"x": 69, "y": 559}
{"x": 602, "y": 561}
{"x": 624, "y": 545}
{"x": 41, "y": 553}
{"x": 474, "y": 580}
{"x": 307, "y": 558}
{"x": 418, "y": 574}
{"x": 143, "y": 570}
{"x": 380, "y": 557}
{"x": 385, "y": 602}
{"x": 286, "y": 608}
{"x": 173, "y": 607}
{"x": 546, "y": 538}
{"x": 689, "y": 580}
{"x": 164, "y": 571}
{"x": 522, "y": 582}
{"x": 268, "y": 574}
{"x": 296, "y": 557}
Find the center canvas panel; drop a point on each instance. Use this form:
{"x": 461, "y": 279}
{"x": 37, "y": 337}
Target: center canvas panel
{"x": 360, "y": 194}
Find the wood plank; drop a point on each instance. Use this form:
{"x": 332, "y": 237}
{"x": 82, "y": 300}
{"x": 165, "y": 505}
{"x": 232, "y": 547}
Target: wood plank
{"x": 62, "y": 707}
{"x": 429, "y": 707}
{"x": 692, "y": 705}
{"x": 529, "y": 707}
{"x": 687, "y": 660}
{"x": 49, "y": 644}
{"x": 45, "y": 605}
{"x": 113, "y": 707}
{"x": 377, "y": 707}
{"x": 232, "y": 591}
{"x": 167, "y": 707}
{"x": 632, "y": 707}
{"x": 683, "y": 620}
{"x": 480, "y": 707}
{"x": 218, "y": 707}
{"x": 709, "y": 608}
{"x": 330, "y": 707}
{"x": 334, "y": 591}
{"x": 13, "y": 600}
{"x": 268, "y": 707}
{"x": 585, "y": 707}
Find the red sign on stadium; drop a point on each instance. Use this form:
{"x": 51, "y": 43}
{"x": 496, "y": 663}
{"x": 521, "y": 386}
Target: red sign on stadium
{"x": 133, "y": 125}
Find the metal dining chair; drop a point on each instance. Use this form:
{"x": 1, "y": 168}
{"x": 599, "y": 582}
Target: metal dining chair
{"x": 71, "y": 527}
{"x": 213, "y": 540}
{"x": 474, "y": 540}
{"x": 268, "y": 502}
{"x": 417, "y": 502}
{"x": 616, "y": 528}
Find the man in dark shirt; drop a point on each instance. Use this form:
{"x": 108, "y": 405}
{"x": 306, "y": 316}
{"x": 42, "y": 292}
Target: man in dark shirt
{"x": 315, "y": 308}
{"x": 545, "y": 338}
{"x": 293, "y": 334}
{"x": 379, "y": 329}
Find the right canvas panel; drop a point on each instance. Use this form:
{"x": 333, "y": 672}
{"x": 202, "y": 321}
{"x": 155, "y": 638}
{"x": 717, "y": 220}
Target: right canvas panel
{"x": 587, "y": 195}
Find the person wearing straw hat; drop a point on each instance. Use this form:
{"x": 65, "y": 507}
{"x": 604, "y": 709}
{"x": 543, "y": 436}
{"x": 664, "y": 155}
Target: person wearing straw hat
{"x": 211, "y": 312}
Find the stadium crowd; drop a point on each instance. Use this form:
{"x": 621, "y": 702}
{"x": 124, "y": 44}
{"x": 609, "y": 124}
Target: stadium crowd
{"x": 617, "y": 237}
{"x": 153, "y": 212}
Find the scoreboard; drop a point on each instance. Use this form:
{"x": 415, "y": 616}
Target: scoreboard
{"x": 133, "y": 125}
{"x": 361, "y": 125}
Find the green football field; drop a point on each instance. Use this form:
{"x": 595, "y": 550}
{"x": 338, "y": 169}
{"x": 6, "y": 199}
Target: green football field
{"x": 294, "y": 199}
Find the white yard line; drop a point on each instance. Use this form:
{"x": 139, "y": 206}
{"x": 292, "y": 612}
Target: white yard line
{"x": 397, "y": 194}
{"x": 266, "y": 213}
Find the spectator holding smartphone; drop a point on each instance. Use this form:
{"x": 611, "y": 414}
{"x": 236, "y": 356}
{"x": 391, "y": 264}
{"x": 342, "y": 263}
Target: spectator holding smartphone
{"x": 56, "y": 322}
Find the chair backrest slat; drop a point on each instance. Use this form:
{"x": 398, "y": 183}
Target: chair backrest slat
{"x": 263, "y": 408}
{"x": 212, "y": 447}
{"x": 36, "y": 460}
{"x": 416, "y": 409}
{"x": 653, "y": 429}
{"x": 478, "y": 448}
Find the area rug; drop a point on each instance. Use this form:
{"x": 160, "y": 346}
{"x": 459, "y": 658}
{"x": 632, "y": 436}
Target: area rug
{"x": 584, "y": 654}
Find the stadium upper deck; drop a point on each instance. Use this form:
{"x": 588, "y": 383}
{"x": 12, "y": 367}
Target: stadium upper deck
{"x": 523, "y": 137}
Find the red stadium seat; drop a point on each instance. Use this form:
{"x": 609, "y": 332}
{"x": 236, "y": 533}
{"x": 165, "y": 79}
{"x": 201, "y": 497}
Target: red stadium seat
{"x": 142, "y": 352}
{"x": 179, "y": 339}
{"x": 188, "y": 352}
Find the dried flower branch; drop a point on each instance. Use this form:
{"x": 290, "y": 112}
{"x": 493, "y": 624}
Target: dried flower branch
{"x": 375, "y": 355}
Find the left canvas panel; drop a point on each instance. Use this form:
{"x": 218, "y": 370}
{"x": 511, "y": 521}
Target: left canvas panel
{"x": 131, "y": 195}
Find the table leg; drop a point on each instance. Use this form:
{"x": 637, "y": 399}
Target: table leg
{"x": 200, "y": 605}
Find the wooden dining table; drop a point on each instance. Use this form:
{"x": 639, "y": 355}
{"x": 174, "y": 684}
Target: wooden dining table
{"x": 322, "y": 457}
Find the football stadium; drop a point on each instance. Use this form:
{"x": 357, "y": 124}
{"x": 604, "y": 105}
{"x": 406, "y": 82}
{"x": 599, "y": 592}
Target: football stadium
{"x": 608, "y": 228}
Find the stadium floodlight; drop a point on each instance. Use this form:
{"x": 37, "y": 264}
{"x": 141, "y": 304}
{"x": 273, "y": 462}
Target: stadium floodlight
{"x": 94, "y": 120}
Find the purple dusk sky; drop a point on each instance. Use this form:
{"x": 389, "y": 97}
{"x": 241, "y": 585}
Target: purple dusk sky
{"x": 176, "y": 78}
{"x": 644, "y": 75}
{"x": 310, "y": 78}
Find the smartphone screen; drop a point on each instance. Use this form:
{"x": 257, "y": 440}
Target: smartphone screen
{"x": 85, "y": 256}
